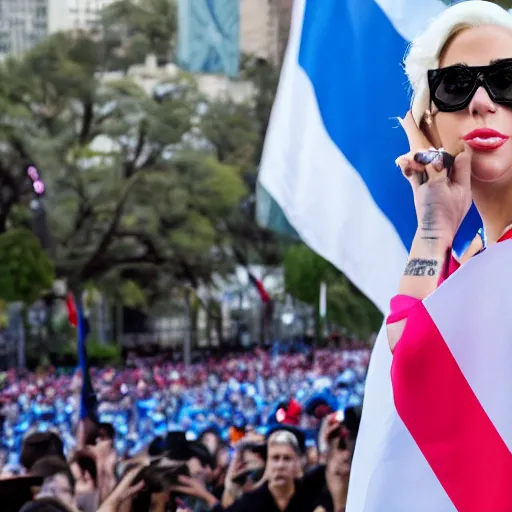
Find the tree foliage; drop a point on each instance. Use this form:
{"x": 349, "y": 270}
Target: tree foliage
{"x": 144, "y": 192}
{"x": 132, "y": 29}
{"x": 128, "y": 188}
{"x": 236, "y": 133}
{"x": 346, "y": 305}
{"x": 26, "y": 268}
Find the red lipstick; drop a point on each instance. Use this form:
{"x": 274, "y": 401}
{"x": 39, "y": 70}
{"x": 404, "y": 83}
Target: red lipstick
{"x": 485, "y": 139}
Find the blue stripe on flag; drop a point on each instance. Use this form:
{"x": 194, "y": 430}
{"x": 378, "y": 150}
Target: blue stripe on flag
{"x": 352, "y": 54}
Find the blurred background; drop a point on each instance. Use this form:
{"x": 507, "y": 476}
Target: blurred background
{"x": 130, "y": 146}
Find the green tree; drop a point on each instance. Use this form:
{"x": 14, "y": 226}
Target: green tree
{"x": 130, "y": 185}
{"x": 131, "y": 29}
{"x": 346, "y": 305}
{"x": 26, "y": 268}
{"x": 236, "y": 133}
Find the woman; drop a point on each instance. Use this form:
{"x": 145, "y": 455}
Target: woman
{"x": 460, "y": 71}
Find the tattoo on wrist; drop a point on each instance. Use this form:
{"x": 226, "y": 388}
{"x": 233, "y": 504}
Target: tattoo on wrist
{"x": 428, "y": 228}
{"x": 428, "y": 223}
{"x": 422, "y": 267}
{"x": 431, "y": 241}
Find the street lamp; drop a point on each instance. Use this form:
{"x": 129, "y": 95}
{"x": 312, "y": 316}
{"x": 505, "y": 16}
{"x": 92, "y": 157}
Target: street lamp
{"x": 39, "y": 224}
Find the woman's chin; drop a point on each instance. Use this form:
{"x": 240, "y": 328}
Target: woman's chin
{"x": 490, "y": 170}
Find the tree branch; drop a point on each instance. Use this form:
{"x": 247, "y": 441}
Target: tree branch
{"x": 109, "y": 233}
{"x": 130, "y": 166}
{"x": 15, "y": 186}
{"x": 86, "y": 122}
{"x": 102, "y": 265}
{"x": 17, "y": 144}
{"x": 144, "y": 238}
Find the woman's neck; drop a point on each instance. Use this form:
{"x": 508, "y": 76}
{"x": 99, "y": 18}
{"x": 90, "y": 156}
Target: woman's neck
{"x": 495, "y": 207}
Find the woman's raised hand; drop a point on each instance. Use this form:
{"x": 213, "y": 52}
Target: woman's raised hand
{"x": 442, "y": 194}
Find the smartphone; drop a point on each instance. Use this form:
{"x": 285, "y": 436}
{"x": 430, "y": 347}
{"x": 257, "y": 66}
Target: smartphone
{"x": 160, "y": 476}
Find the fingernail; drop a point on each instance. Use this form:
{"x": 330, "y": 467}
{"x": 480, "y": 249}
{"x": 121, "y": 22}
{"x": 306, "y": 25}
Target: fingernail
{"x": 400, "y": 161}
{"x": 438, "y": 163}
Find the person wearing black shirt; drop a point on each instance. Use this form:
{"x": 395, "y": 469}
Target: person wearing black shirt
{"x": 282, "y": 491}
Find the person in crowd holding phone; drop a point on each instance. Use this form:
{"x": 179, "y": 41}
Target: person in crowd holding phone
{"x": 246, "y": 469}
{"x": 84, "y": 469}
{"x": 281, "y": 489}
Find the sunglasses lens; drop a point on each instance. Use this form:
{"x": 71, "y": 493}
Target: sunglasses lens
{"x": 455, "y": 87}
{"x": 500, "y": 82}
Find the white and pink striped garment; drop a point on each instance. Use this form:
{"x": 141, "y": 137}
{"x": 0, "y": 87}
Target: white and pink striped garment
{"x": 447, "y": 440}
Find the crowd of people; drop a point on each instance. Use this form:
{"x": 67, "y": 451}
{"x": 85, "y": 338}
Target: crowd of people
{"x": 257, "y": 431}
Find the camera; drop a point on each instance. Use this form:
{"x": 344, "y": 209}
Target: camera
{"x": 250, "y": 475}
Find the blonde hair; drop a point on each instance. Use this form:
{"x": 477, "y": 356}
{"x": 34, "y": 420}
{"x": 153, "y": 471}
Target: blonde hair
{"x": 425, "y": 51}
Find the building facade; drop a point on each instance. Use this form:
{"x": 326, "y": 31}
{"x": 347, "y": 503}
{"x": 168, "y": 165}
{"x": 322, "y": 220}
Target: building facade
{"x": 24, "y": 23}
{"x": 84, "y": 14}
{"x": 264, "y": 28}
{"x": 284, "y": 15}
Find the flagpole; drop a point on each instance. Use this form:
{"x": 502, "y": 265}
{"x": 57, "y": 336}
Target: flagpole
{"x": 322, "y": 307}
{"x": 187, "y": 341}
{"x": 323, "y": 300}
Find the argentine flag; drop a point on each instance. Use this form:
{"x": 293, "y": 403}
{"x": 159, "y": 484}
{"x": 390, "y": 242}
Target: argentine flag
{"x": 328, "y": 169}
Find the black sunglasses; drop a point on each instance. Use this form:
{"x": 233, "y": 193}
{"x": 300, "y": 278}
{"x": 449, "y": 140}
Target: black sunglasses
{"x": 453, "y": 87}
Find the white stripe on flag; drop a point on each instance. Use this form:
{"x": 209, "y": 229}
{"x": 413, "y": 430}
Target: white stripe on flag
{"x": 402, "y": 481}
{"x": 474, "y": 316}
{"x": 472, "y": 312}
{"x": 385, "y": 448}
{"x": 308, "y": 176}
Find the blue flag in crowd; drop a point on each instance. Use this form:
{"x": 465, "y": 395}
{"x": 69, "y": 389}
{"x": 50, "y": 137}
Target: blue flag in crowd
{"x": 328, "y": 174}
{"x": 88, "y": 400}
{"x": 208, "y": 36}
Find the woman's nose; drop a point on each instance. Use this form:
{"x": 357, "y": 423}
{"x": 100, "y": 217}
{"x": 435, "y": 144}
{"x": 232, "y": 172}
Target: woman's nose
{"x": 481, "y": 104}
